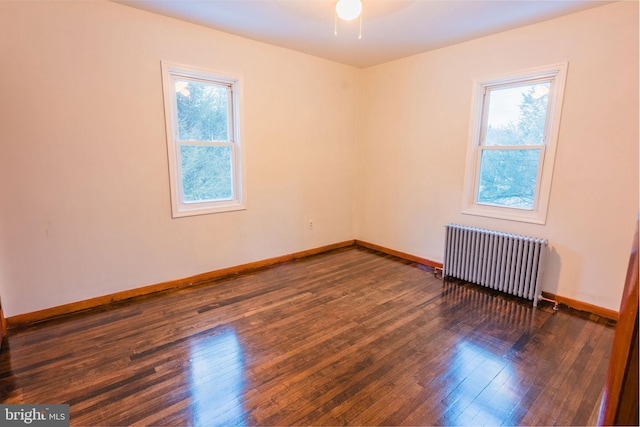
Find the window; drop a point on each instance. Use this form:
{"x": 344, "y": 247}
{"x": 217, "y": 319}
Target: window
{"x": 514, "y": 130}
{"x": 201, "y": 113}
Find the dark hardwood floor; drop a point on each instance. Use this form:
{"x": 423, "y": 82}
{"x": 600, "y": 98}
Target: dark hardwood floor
{"x": 349, "y": 337}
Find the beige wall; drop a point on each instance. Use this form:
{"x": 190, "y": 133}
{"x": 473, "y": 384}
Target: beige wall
{"x": 375, "y": 154}
{"x": 83, "y": 159}
{"x": 415, "y": 136}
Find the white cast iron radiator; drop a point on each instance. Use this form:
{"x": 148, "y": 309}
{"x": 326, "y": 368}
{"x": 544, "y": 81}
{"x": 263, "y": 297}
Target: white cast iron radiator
{"x": 506, "y": 262}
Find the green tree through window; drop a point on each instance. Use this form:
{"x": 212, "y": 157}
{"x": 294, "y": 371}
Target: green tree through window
{"x": 510, "y": 154}
{"x": 203, "y": 116}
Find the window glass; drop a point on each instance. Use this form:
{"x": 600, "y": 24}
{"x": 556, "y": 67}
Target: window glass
{"x": 516, "y": 115}
{"x": 203, "y": 111}
{"x": 206, "y": 173}
{"x": 508, "y": 178}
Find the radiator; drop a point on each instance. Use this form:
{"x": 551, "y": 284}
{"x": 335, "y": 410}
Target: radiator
{"x": 505, "y": 262}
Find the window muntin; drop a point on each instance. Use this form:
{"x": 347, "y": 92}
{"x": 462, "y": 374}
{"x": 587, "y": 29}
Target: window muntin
{"x": 202, "y": 138}
{"x": 515, "y": 124}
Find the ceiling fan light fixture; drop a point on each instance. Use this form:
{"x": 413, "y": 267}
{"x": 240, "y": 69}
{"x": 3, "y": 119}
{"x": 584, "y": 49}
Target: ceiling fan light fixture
{"x": 348, "y": 9}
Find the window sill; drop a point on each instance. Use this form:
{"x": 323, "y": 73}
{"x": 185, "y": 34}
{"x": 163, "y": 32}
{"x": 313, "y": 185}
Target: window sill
{"x": 533, "y": 217}
{"x": 195, "y": 210}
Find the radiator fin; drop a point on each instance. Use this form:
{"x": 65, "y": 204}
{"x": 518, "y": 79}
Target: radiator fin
{"x": 505, "y": 262}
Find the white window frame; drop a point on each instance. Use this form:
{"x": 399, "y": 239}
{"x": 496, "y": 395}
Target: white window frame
{"x": 538, "y": 215}
{"x": 180, "y": 208}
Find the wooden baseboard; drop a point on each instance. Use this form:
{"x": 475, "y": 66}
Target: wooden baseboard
{"x": 578, "y": 305}
{"x": 23, "y": 320}
{"x": 582, "y": 306}
{"x": 399, "y": 254}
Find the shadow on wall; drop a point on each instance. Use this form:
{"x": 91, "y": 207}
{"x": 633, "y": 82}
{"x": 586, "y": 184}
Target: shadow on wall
{"x": 553, "y": 266}
{"x": 551, "y": 275}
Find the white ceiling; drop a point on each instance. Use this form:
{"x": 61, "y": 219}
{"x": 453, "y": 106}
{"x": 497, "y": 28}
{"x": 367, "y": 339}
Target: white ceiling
{"x": 391, "y": 29}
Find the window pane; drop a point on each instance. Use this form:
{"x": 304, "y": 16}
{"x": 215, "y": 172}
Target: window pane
{"x": 517, "y": 114}
{"x": 203, "y": 111}
{"x": 508, "y": 178}
{"x": 206, "y": 173}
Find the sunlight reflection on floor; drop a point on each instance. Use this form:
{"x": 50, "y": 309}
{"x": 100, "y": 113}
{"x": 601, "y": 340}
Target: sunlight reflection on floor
{"x": 217, "y": 380}
{"x": 483, "y": 373}
{"x": 484, "y": 395}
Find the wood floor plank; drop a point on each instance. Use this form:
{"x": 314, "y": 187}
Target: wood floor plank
{"x": 348, "y": 337}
